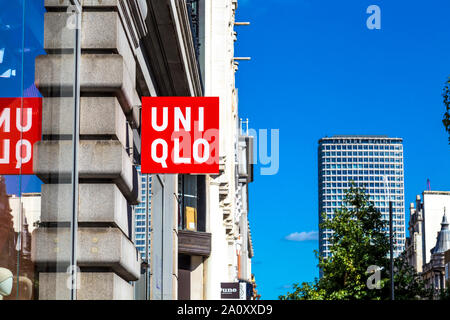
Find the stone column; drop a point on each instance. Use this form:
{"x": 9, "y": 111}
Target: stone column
{"x": 108, "y": 184}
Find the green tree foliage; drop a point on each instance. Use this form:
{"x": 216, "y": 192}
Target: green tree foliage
{"x": 445, "y": 293}
{"x": 446, "y": 96}
{"x": 408, "y": 284}
{"x": 358, "y": 242}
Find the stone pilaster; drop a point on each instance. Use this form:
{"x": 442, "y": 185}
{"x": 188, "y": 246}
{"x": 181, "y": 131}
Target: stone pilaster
{"x": 108, "y": 184}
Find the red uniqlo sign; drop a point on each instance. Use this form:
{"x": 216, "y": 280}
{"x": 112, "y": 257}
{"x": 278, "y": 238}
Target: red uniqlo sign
{"x": 20, "y": 128}
{"x": 180, "y": 135}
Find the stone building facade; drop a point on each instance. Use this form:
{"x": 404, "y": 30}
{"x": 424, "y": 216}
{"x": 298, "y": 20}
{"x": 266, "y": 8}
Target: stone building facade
{"x": 220, "y": 251}
{"x": 434, "y": 271}
{"x": 447, "y": 268}
{"x": 424, "y": 224}
{"x": 414, "y": 243}
{"x": 96, "y": 60}
{"x": 91, "y": 162}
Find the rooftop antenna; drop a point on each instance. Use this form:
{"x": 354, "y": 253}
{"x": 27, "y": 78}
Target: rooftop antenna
{"x": 428, "y": 185}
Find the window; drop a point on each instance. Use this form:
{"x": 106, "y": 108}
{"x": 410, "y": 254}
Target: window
{"x": 19, "y": 62}
{"x": 192, "y": 206}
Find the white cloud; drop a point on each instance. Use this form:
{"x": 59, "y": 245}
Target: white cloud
{"x": 302, "y": 236}
{"x": 285, "y": 287}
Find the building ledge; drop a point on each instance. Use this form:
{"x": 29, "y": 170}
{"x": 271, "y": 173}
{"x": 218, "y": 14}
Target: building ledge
{"x": 194, "y": 243}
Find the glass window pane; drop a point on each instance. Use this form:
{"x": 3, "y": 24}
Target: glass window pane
{"x": 37, "y": 102}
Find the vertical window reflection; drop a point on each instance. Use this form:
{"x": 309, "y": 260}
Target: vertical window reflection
{"x": 33, "y": 225}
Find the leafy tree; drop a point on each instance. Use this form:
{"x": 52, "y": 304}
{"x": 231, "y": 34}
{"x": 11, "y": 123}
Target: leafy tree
{"x": 445, "y": 293}
{"x": 408, "y": 283}
{"x": 305, "y": 291}
{"x": 446, "y": 96}
{"x": 358, "y": 241}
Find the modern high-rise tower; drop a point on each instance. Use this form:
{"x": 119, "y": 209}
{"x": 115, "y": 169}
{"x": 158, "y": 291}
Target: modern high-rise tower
{"x": 372, "y": 162}
{"x": 142, "y": 211}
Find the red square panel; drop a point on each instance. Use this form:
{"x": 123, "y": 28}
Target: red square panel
{"x": 180, "y": 135}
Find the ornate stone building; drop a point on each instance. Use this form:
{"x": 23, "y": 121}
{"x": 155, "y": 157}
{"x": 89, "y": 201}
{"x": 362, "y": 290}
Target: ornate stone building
{"x": 414, "y": 243}
{"x": 424, "y": 224}
{"x": 434, "y": 271}
{"x": 447, "y": 268}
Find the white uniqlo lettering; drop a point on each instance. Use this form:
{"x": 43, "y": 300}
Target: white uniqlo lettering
{"x": 19, "y": 152}
{"x": 5, "y": 120}
{"x": 5, "y": 158}
{"x": 29, "y": 121}
{"x": 196, "y": 150}
{"x": 185, "y": 120}
{"x": 177, "y": 158}
{"x": 161, "y": 160}
{"x": 155, "y": 122}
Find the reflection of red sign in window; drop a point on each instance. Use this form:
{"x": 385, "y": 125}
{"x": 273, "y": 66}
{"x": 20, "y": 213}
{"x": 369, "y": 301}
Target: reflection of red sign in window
{"x": 180, "y": 135}
{"x": 20, "y": 128}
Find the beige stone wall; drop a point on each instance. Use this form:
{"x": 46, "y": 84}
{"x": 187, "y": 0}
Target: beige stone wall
{"x": 108, "y": 186}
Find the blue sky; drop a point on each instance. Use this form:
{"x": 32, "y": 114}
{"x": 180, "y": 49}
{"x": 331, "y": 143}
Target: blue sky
{"x": 317, "y": 71}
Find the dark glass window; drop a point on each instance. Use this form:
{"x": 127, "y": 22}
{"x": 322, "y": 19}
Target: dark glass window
{"x": 191, "y": 199}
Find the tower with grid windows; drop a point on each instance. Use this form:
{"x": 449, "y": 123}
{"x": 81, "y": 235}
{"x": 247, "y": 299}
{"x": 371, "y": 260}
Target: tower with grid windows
{"x": 142, "y": 215}
{"x": 372, "y": 162}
